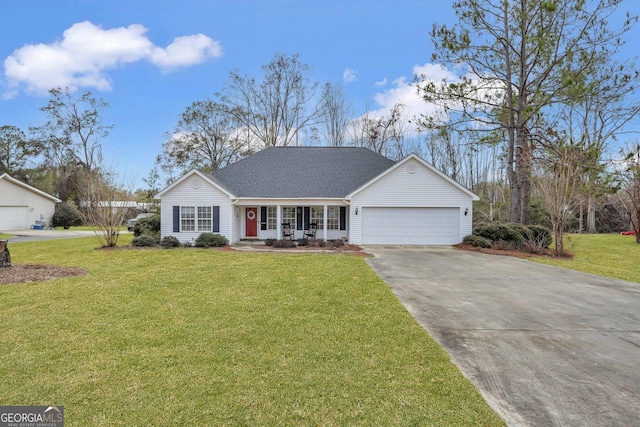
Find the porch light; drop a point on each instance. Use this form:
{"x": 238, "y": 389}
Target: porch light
{"x": 356, "y": 210}
{"x": 466, "y": 211}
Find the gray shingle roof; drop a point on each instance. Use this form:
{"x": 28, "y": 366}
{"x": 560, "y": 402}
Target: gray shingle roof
{"x": 302, "y": 172}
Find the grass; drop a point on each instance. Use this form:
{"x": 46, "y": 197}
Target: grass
{"x": 5, "y": 236}
{"x": 207, "y": 337}
{"x": 609, "y": 255}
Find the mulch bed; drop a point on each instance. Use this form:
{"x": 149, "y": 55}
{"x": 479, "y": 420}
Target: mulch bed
{"x": 22, "y": 273}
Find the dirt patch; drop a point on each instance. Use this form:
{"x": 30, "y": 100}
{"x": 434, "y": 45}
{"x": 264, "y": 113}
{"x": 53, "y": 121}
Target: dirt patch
{"x": 21, "y": 273}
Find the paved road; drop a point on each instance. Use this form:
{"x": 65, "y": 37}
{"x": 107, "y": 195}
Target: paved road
{"x": 545, "y": 346}
{"x": 35, "y": 235}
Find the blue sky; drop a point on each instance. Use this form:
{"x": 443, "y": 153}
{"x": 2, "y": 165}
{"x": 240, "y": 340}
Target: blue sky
{"x": 151, "y": 59}
{"x": 366, "y": 45}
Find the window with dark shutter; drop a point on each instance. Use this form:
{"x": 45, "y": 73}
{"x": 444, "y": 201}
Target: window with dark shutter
{"x": 216, "y": 219}
{"x": 176, "y": 219}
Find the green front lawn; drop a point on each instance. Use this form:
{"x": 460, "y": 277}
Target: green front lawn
{"x": 611, "y": 255}
{"x": 209, "y": 337}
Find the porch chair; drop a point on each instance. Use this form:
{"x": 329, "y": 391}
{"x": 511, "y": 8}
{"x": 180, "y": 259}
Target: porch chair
{"x": 311, "y": 232}
{"x": 287, "y": 232}
{"x": 5, "y": 256}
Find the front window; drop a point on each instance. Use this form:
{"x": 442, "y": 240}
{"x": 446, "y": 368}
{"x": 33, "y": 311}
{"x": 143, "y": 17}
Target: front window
{"x": 194, "y": 218}
{"x": 333, "y": 218}
{"x": 317, "y": 216}
{"x": 271, "y": 218}
{"x": 289, "y": 215}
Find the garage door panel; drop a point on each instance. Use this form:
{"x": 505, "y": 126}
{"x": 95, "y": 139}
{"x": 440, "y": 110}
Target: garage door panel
{"x": 410, "y": 226}
{"x": 13, "y": 217}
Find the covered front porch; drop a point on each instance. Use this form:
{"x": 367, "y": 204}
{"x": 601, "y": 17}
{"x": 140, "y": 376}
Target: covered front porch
{"x": 260, "y": 221}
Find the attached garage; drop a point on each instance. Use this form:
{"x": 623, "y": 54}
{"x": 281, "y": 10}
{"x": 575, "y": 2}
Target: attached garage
{"x": 13, "y": 218}
{"x": 412, "y": 203}
{"x": 21, "y": 205}
{"x": 410, "y": 226}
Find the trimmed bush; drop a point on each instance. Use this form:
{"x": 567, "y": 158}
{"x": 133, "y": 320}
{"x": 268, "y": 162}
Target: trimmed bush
{"x": 303, "y": 242}
{"x": 513, "y": 235}
{"x": 318, "y": 243}
{"x": 208, "y": 240}
{"x": 149, "y": 226}
{"x": 270, "y": 242}
{"x": 170, "y": 242}
{"x": 66, "y": 216}
{"x": 144, "y": 240}
{"x": 477, "y": 241}
{"x": 336, "y": 243}
{"x": 286, "y": 244}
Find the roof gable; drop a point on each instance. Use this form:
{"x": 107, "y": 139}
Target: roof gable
{"x": 27, "y": 187}
{"x": 302, "y": 172}
{"x": 189, "y": 174}
{"x": 399, "y": 164}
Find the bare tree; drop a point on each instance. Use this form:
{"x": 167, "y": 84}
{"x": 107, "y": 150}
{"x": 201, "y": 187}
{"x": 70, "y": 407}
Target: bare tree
{"x": 275, "y": 108}
{"x": 74, "y": 129}
{"x": 561, "y": 169}
{"x": 206, "y": 137}
{"x": 383, "y": 134}
{"x": 629, "y": 180}
{"x": 336, "y": 115}
{"x": 100, "y": 193}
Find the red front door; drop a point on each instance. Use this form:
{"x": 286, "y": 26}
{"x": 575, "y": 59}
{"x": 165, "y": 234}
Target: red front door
{"x": 251, "y": 222}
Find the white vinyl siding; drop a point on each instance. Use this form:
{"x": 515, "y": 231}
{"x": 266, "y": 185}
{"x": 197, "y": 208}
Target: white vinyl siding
{"x": 20, "y": 207}
{"x": 206, "y": 195}
{"x": 410, "y": 185}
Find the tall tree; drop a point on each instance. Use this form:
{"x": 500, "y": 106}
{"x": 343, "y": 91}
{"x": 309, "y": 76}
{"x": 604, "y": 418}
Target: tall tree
{"x": 382, "y": 133}
{"x": 276, "y": 107}
{"x": 15, "y": 150}
{"x": 71, "y": 138}
{"x": 336, "y": 115}
{"x": 517, "y": 58}
{"x": 206, "y": 137}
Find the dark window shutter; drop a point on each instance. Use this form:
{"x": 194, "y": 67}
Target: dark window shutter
{"x": 298, "y": 218}
{"x": 216, "y": 219}
{"x": 343, "y": 218}
{"x": 307, "y": 217}
{"x": 176, "y": 219}
{"x": 263, "y": 217}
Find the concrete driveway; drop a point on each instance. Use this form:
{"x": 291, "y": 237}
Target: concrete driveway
{"x": 545, "y": 346}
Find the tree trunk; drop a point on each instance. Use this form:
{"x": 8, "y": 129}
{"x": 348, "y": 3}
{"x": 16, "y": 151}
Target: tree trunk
{"x": 591, "y": 215}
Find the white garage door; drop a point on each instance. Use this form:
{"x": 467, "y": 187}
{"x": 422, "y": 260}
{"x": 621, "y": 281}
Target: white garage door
{"x": 13, "y": 217}
{"x": 410, "y": 226}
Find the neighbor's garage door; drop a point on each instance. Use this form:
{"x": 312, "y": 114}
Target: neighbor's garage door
{"x": 13, "y": 217}
{"x": 410, "y": 226}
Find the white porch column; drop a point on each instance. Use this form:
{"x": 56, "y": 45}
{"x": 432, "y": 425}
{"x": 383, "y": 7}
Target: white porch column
{"x": 324, "y": 222}
{"x": 278, "y": 222}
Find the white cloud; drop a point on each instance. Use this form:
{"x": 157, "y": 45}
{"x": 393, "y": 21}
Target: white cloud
{"x": 349, "y": 75}
{"x": 382, "y": 82}
{"x": 403, "y": 92}
{"x": 86, "y": 51}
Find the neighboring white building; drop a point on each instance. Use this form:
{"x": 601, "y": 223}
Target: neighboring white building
{"x": 351, "y": 193}
{"x": 21, "y": 205}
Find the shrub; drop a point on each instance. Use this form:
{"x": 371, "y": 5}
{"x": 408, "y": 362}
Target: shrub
{"x": 336, "y": 243}
{"x": 537, "y": 238}
{"x": 318, "y": 243}
{"x": 512, "y": 234}
{"x": 477, "y": 241}
{"x": 269, "y": 242}
{"x": 149, "y": 226}
{"x": 169, "y": 242}
{"x": 286, "y": 243}
{"x": 144, "y": 240}
{"x": 303, "y": 242}
{"x": 207, "y": 240}
{"x": 66, "y": 216}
